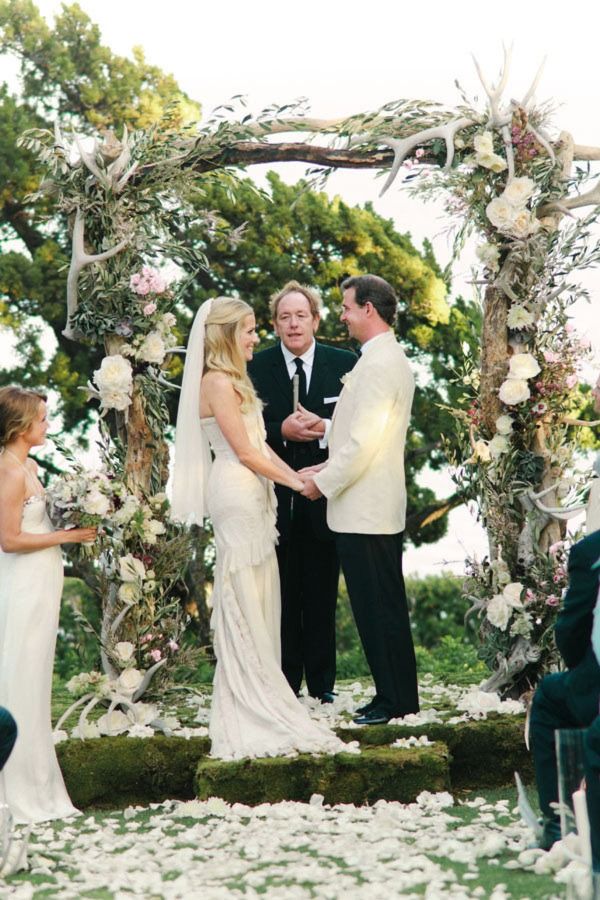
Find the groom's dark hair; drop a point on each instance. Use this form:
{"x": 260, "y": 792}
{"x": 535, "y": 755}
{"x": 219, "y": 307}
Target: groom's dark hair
{"x": 376, "y": 290}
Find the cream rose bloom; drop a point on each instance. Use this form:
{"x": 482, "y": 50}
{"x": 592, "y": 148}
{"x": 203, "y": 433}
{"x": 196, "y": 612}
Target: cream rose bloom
{"x": 501, "y": 214}
{"x": 114, "y": 722}
{"x": 498, "y": 445}
{"x": 129, "y": 593}
{"x": 152, "y": 348}
{"x": 504, "y": 424}
{"x": 129, "y": 681}
{"x": 519, "y": 317}
{"x": 129, "y": 508}
{"x": 124, "y": 651}
{"x": 523, "y": 365}
{"x": 96, "y": 503}
{"x": 519, "y": 191}
{"x": 114, "y": 380}
{"x": 131, "y": 568}
{"x": 498, "y": 612}
{"x": 513, "y": 592}
{"x": 524, "y": 223}
{"x": 513, "y": 391}
{"x": 488, "y": 255}
{"x": 484, "y": 142}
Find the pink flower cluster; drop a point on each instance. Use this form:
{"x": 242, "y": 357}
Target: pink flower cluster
{"x": 148, "y": 281}
{"x": 155, "y": 653}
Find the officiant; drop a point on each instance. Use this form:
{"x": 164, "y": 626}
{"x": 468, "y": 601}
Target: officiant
{"x": 298, "y": 381}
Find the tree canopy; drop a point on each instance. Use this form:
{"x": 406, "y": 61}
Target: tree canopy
{"x": 284, "y": 232}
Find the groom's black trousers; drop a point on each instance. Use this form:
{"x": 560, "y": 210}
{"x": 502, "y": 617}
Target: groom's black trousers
{"x": 372, "y": 567}
{"x": 8, "y": 735}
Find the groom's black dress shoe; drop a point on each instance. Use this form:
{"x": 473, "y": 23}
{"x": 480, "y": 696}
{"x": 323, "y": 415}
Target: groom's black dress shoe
{"x": 374, "y": 716}
{"x": 360, "y": 710}
{"x": 327, "y": 697}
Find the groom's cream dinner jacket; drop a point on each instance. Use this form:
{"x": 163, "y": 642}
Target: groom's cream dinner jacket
{"x": 364, "y": 478}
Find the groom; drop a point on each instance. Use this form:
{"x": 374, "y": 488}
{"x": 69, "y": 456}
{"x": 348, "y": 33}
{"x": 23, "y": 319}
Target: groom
{"x": 306, "y": 553}
{"x": 8, "y": 735}
{"x": 366, "y": 494}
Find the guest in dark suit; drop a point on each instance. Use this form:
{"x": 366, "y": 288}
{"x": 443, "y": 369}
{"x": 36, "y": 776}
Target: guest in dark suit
{"x": 567, "y": 699}
{"x": 8, "y": 735}
{"x": 308, "y": 562}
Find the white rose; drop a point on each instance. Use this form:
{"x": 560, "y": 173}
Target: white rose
{"x": 131, "y": 568}
{"x": 489, "y": 255}
{"x": 484, "y": 142}
{"x": 86, "y": 732}
{"x": 114, "y": 722}
{"x": 498, "y": 612}
{"x": 519, "y": 191}
{"x": 504, "y": 424}
{"x": 523, "y": 365}
{"x": 142, "y": 713}
{"x": 490, "y": 161}
{"x": 129, "y": 681}
{"x": 499, "y": 444}
{"x": 129, "y": 593}
{"x": 524, "y": 223}
{"x": 124, "y": 651}
{"x": 152, "y": 348}
{"x": 114, "y": 380}
{"x": 500, "y": 213}
{"x": 513, "y": 391}
{"x": 169, "y": 320}
{"x": 129, "y": 508}
{"x": 512, "y": 592}
{"x": 519, "y": 317}
{"x": 96, "y": 503}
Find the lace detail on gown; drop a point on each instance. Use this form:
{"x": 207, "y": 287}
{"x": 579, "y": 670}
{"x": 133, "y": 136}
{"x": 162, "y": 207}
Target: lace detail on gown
{"x": 254, "y": 711}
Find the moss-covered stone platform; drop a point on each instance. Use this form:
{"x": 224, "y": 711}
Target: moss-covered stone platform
{"x": 120, "y": 771}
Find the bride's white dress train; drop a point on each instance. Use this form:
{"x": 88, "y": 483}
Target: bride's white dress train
{"x": 254, "y": 711}
{"x": 31, "y": 782}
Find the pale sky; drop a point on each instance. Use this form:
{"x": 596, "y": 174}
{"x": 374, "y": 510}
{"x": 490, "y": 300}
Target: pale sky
{"x": 346, "y": 57}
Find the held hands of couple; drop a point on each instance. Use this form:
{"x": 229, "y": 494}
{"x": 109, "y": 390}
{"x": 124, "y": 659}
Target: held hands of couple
{"x": 302, "y": 426}
{"x": 310, "y": 489}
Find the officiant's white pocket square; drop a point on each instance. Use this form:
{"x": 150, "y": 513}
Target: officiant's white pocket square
{"x": 331, "y": 399}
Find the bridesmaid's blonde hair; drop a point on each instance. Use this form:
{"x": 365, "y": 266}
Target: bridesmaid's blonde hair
{"x": 18, "y": 409}
{"x": 222, "y": 351}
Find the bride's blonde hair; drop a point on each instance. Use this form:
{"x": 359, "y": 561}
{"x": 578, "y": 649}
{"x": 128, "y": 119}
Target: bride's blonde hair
{"x": 222, "y": 352}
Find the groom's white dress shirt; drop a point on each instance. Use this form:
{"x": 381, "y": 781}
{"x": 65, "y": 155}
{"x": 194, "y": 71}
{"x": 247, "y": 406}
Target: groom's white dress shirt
{"x": 364, "y": 478}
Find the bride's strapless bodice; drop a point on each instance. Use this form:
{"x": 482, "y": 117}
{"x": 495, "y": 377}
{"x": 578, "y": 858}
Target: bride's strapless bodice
{"x": 219, "y": 444}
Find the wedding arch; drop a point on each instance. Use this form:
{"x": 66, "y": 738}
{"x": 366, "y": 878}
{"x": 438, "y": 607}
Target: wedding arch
{"x": 503, "y": 176}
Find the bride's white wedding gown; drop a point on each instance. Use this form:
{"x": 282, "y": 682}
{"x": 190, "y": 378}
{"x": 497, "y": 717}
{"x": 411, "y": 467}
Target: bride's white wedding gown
{"x": 254, "y": 711}
{"x": 31, "y": 782}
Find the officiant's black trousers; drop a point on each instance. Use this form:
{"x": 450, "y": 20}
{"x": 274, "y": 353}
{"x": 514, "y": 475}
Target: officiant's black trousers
{"x": 372, "y": 567}
{"x": 309, "y": 572}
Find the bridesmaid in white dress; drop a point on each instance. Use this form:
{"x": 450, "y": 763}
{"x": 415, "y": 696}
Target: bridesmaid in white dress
{"x": 254, "y": 711}
{"x": 31, "y": 579}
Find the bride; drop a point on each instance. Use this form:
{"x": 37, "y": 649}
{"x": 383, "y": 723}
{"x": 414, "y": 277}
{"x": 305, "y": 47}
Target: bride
{"x": 254, "y": 711}
{"x": 31, "y": 578}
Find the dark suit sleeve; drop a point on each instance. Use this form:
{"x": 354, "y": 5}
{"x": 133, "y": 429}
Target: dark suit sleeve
{"x": 574, "y": 624}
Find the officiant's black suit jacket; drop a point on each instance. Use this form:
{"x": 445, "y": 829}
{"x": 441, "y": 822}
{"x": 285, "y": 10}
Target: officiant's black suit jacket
{"x": 271, "y": 379}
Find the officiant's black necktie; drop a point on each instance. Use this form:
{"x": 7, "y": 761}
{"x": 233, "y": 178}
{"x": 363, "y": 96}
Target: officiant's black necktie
{"x": 301, "y": 380}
